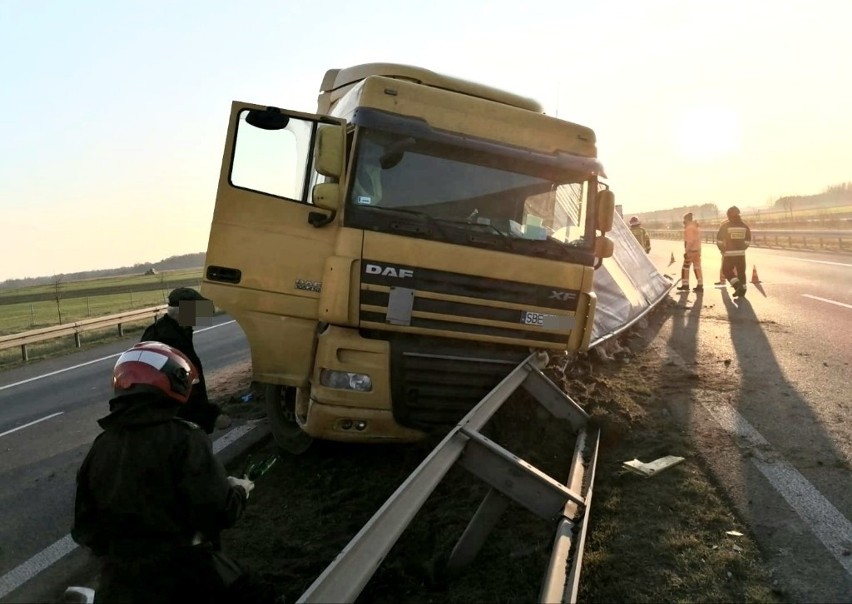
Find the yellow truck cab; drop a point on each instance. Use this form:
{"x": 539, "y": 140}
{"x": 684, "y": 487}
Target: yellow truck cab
{"x": 391, "y": 258}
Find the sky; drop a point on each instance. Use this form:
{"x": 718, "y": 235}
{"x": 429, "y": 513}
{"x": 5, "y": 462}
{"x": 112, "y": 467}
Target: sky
{"x": 113, "y": 113}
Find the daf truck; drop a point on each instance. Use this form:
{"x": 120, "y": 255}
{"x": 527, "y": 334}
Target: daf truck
{"x": 394, "y": 256}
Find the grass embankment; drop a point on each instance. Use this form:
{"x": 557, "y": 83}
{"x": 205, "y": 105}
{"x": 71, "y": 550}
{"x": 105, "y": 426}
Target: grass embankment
{"x": 35, "y": 307}
{"x": 659, "y": 539}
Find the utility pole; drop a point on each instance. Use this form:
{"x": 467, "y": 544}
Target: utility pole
{"x": 57, "y": 280}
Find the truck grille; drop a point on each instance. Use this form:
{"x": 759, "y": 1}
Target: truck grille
{"x": 454, "y": 305}
{"x": 434, "y": 386}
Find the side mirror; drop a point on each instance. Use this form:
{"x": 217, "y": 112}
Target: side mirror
{"x": 326, "y": 195}
{"x": 271, "y": 119}
{"x": 604, "y": 212}
{"x": 328, "y": 153}
{"x": 604, "y": 247}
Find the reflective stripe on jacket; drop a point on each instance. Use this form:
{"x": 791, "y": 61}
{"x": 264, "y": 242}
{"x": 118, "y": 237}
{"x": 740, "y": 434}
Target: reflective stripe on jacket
{"x": 733, "y": 238}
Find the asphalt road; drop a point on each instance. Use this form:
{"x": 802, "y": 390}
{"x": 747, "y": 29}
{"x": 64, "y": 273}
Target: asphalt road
{"x": 769, "y": 404}
{"x": 48, "y": 415}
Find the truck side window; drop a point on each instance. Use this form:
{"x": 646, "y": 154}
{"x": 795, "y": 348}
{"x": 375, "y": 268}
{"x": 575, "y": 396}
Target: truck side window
{"x": 275, "y": 162}
{"x": 367, "y": 180}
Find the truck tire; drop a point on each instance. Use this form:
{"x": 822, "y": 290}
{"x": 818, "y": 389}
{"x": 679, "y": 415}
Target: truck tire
{"x": 281, "y": 409}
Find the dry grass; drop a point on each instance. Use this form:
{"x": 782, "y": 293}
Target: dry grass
{"x": 659, "y": 539}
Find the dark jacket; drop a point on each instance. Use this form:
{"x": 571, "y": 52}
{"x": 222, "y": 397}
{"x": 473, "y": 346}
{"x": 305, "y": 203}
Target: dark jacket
{"x": 198, "y": 409}
{"x": 642, "y": 237}
{"x": 733, "y": 237}
{"x": 150, "y": 484}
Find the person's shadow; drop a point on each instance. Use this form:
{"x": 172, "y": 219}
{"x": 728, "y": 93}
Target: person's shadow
{"x": 789, "y": 429}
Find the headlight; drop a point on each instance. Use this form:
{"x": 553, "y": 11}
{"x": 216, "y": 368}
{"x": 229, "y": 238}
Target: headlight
{"x": 343, "y": 380}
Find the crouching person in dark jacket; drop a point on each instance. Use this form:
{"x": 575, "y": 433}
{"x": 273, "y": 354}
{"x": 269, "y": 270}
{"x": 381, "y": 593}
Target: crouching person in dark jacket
{"x": 151, "y": 496}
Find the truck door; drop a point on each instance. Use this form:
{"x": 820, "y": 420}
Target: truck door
{"x": 273, "y": 228}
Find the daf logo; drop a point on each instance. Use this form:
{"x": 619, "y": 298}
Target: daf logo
{"x": 562, "y": 296}
{"x": 389, "y": 271}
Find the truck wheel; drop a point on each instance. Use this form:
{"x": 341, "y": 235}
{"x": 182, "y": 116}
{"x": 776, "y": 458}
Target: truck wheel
{"x": 281, "y": 408}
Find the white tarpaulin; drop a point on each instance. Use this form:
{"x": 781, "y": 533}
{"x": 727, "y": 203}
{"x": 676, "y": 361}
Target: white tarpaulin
{"x": 626, "y": 284}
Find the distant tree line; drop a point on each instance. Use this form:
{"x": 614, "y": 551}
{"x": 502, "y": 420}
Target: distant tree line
{"x": 186, "y": 261}
{"x": 710, "y": 214}
{"x": 837, "y": 195}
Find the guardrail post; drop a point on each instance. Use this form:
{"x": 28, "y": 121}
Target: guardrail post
{"x": 24, "y": 355}
{"x": 480, "y": 526}
{"x": 77, "y": 341}
{"x": 120, "y": 329}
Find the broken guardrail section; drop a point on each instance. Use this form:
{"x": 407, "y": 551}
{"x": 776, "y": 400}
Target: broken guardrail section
{"x": 510, "y": 479}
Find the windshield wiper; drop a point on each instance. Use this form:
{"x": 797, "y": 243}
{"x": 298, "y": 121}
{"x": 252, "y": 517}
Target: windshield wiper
{"x": 429, "y": 220}
{"x": 475, "y": 225}
{"x": 504, "y": 241}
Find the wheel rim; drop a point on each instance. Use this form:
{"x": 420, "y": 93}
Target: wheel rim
{"x": 282, "y": 419}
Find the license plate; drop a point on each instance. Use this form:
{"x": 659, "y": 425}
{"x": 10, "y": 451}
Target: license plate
{"x": 533, "y": 318}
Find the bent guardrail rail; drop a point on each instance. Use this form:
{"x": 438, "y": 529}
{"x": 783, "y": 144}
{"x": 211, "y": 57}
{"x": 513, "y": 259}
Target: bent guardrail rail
{"x": 509, "y": 477}
{"x": 78, "y": 327}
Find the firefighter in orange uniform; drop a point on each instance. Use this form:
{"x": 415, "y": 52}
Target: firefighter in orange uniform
{"x": 691, "y": 254}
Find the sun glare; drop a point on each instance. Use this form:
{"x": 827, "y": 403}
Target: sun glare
{"x": 706, "y": 133}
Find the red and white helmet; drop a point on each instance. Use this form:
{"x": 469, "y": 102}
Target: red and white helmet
{"x": 154, "y": 365}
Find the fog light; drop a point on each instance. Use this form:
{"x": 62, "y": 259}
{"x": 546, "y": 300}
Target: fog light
{"x": 343, "y": 380}
{"x": 346, "y": 424}
{"x": 360, "y": 425}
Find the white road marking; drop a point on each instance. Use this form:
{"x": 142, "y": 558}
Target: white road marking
{"x": 42, "y": 560}
{"x": 233, "y": 436}
{"x": 112, "y": 356}
{"x": 827, "y": 300}
{"x": 213, "y": 326}
{"x": 58, "y": 371}
{"x": 818, "y": 261}
{"x": 824, "y": 520}
{"x": 58, "y": 550}
{"x": 31, "y": 423}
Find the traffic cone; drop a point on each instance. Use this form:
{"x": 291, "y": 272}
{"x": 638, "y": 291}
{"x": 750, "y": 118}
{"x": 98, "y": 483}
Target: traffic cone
{"x": 672, "y": 261}
{"x": 754, "y": 278}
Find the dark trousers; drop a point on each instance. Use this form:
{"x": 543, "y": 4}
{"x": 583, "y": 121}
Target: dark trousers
{"x": 189, "y": 574}
{"x": 734, "y": 269}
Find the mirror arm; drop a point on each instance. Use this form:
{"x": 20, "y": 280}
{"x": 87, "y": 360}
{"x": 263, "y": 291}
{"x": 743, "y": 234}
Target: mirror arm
{"x": 318, "y": 219}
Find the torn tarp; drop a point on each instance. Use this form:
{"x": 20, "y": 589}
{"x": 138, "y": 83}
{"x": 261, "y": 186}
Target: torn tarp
{"x": 626, "y": 284}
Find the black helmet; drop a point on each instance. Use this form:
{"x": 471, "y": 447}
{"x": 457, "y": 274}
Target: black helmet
{"x": 184, "y": 293}
{"x": 733, "y": 211}
{"x": 154, "y": 365}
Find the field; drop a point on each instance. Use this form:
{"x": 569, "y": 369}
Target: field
{"x": 34, "y": 307}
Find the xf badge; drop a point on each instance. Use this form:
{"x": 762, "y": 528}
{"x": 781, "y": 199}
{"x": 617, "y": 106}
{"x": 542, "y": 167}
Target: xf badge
{"x": 562, "y": 296}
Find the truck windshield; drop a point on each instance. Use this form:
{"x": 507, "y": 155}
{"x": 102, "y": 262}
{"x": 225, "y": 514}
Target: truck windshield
{"x": 471, "y": 188}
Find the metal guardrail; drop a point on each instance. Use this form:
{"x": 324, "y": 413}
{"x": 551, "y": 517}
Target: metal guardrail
{"x": 509, "y": 477}
{"x": 77, "y": 328}
{"x": 773, "y": 238}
